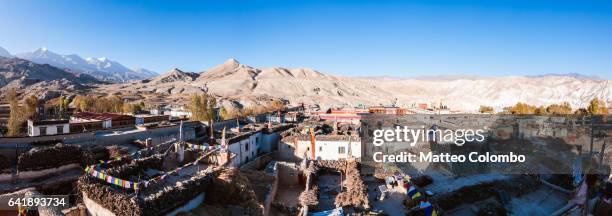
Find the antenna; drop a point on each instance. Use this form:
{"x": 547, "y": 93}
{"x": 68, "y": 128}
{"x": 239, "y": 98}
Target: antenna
{"x": 181, "y": 131}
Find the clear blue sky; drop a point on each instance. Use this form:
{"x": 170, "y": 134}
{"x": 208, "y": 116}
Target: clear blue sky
{"x": 373, "y": 38}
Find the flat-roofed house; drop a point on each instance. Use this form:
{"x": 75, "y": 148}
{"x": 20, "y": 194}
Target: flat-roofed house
{"x": 148, "y": 118}
{"x": 109, "y": 120}
{"x": 327, "y": 147}
{"x": 388, "y": 110}
{"x": 48, "y": 127}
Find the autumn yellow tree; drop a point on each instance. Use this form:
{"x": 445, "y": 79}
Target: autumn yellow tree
{"x": 276, "y": 105}
{"x": 540, "y": 111}
{"x": 132, "y": 107}
{"x": 63, "y": 105}
{"x": 31, "y": 103}
{"x": 559, "y": 109}
{"x": 522, "y": 109}
{"x": 202, "y": 107}
{"x": 90, "y": 103}
{"x": 597, "y": 107}
{"x": 17, "y": 115}
{"x": 485, "y": 109}
{"x": 224, "y": 114}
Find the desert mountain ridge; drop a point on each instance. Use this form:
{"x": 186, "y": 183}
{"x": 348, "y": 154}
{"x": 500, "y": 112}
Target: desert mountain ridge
{"x": 240, "y": 85}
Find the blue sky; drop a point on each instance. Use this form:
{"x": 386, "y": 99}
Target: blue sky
{"x": 353, "y": 38}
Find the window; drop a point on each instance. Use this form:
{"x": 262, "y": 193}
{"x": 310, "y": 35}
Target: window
{"x": 60, "y": 129}
{"x": 43, "y": 131}
{"x": 30, "y": 130}
{"x": 320, "y": 148}
{"x": 341, "y": 150}
{"x": 246, "y": 147}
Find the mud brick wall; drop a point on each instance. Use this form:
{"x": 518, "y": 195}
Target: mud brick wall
{"x": 50, "y": 157}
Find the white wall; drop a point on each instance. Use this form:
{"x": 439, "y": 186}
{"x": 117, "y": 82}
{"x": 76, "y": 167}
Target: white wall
{"x": 244, "y": 155}
{"x": 324, "y": 150}
{"x": 107, "y": 124}
{"x": 50, "y": 129}
{"x": 179, "y": 113}
{"x": 329, "y": 150}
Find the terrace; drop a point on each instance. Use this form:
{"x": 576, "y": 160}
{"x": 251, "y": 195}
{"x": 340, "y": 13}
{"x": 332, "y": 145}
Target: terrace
{"x": 159, "y": 183}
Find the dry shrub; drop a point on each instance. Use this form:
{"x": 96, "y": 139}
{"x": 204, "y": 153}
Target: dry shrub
{"x": 310, "y": 197}
{"x": 356, "y": 193}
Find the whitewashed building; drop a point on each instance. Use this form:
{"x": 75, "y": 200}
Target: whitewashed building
{"x": 326, "y": 147}
{"x": 48, "y": 127}
{"x": 248, "y": 145}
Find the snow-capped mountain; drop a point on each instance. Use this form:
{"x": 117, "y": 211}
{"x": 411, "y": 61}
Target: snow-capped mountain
{"x": 4, "y": 53}
{"x": 101, "y": 68}
{"x": 145, "y": 72}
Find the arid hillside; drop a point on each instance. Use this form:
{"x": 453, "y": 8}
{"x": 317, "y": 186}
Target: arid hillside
{"x": 41, "y": 79}
{"x": 239, "y": 85}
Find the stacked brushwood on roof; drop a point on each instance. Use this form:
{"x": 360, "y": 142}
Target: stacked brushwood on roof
{"x": 356, "y": 193}
{"x": 51, "y": 157}
{"x": 312, "y": 169}
{"x": 149, "y": 202}
{"x": 172, "y": 197}
{"x": 135, "y": 168}
{"x": 230, "y": 187}
{"x": 278, "y": 128}
{"x": 336, "y": 165}
{"x": 120, "y": 202}
{"x": 310, "y": 197}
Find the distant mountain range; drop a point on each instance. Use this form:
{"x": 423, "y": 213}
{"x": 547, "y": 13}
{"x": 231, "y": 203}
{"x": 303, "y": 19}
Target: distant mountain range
{"x": 101, "y": 68}
{"x": 41, "y": 79}
{"x": 240, "y": 85}
{"x": 4, "y": 53}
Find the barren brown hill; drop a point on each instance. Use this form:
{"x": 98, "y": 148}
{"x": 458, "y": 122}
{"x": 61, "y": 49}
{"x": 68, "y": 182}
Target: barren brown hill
{"x": 238, "y": 85}
{"x": 40, "y": 79}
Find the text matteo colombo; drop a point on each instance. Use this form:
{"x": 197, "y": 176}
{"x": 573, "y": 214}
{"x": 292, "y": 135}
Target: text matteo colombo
{"x": 458, "y": 137}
